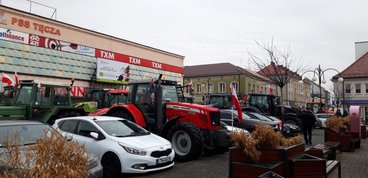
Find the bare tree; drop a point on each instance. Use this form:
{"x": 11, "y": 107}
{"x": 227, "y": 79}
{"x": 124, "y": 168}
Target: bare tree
{"x": 337, "y": 92}
{"x": 280, "y": 66}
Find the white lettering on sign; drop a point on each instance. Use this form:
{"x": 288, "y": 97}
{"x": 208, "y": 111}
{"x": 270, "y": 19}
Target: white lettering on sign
{"x": 134, "y": 60}
{"x": 156, "y": 65}
{"x": 107, "y": 55}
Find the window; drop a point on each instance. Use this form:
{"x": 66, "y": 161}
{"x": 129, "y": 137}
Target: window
{"x": 357, "y": 88}
{"x": 210, "y": 88}
{"x": 198, "y": 88}
{"x": 222, "y": 87}
{"x": 347, "y": 88}
{"x": 85, "y": 128}
{"x": 68, "y": 126}
{"x": 236, "y": 86}
{"x": 366, "y": 88}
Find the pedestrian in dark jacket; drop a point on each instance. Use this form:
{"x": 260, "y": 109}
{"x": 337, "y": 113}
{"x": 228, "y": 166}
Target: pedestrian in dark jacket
{"x": 308, "y": 120}
{"x": 338, "y": 113}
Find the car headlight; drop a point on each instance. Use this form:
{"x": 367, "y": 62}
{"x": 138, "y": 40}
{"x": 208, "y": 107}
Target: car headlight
{"x": 133, "y": 150}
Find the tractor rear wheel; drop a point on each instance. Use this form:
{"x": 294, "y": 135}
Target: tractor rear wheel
{"x": 186, "y": 140}
{"x": 63, "y": 114}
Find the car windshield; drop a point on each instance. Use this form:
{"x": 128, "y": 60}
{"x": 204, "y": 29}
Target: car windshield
{"x": 24, "y": 134}
{"x": 121, "y": 128}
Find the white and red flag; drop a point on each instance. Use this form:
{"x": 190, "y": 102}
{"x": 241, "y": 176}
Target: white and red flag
{"x": 16, "y": 79}
{"x": 8, "y": 80}
{"x": 235, "y": 102}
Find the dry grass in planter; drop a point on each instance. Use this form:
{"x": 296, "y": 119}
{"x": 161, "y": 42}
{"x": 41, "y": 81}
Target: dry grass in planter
{"x": 50, "y": 157}
{"x": 338, "y": 124}
{"x": 263, "y": 137}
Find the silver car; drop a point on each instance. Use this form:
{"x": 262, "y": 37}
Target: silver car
{"x": 23, "y": 134}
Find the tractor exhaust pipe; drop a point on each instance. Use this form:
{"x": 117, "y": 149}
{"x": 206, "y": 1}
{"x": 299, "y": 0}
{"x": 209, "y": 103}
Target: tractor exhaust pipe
{"x": 159, "y": 103}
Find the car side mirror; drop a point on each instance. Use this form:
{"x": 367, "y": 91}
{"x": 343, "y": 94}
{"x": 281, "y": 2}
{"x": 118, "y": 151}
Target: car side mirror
{"x": 68, "y": 137}
{"x": 94, "y": 135}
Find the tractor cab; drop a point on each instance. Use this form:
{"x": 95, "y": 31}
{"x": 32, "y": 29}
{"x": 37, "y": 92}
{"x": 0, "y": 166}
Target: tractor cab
{"x": 267, "y": 104}
{"x": 150, "y": 98}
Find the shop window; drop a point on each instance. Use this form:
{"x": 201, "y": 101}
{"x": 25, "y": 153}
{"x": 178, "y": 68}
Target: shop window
{"x": 222, "y": 87}
{"x": 357, "y": 88}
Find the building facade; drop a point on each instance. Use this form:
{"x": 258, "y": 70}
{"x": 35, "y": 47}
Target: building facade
{"x": 355, "y": 83}
{"x": 217, "y": 78}
{"x": 48, "y": 50}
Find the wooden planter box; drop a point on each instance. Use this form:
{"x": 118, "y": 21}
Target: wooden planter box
{"x": 347, "y": 140}
{"x": 270, "y": 160}
{"x": 308, "y": 166}
{"x": 254, "y": 170}
{"x": 268, "y": 155}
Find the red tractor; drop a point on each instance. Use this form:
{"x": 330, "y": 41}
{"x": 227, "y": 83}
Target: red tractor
{"x": 191, "y": 128}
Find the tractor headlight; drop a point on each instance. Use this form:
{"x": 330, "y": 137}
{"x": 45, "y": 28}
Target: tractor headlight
{"x": 132, "y": 150}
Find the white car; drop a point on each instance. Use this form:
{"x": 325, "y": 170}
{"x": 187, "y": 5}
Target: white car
{"x": 322, "y": 117}
{"x": 121, "y": 145}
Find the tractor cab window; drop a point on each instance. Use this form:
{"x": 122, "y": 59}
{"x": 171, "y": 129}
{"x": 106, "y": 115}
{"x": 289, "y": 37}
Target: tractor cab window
{"x": 259, "y": 101}
{"x": 169, "y": 93}
{"x": 24, "y": 95}
{"x": 61, "y": 96}
{"x": 116, "y": 99}
{"x": 43, "y": 97}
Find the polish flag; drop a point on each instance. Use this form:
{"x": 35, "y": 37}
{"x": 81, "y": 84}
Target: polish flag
{"x": 235, "y": 102}
{"x": 7, "y": 79}
{"x": 190, "y": 85}
{"x": 16, "y": 79}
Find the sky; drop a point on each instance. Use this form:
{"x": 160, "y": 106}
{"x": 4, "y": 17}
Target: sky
{"x": 317, "y": 32}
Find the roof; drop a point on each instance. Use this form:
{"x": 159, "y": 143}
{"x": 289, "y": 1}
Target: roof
{"x": 359, "y": 69}
{"x": 95, "y": 118}
{"x": 272, "y": 70}
{"x": 219, "y": 69}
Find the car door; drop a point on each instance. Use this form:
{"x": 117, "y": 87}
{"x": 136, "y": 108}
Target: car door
{"x": 83, "y": 131}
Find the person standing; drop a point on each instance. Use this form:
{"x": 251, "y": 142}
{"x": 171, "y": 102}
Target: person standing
{"x": 308, "y": 120}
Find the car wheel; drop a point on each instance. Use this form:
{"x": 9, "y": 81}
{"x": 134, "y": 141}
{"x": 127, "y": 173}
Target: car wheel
{"x": 111, "y": 166}
{"x": 186, "y": 140}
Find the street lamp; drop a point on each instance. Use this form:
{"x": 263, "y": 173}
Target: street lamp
{"x": 318, "y": 72}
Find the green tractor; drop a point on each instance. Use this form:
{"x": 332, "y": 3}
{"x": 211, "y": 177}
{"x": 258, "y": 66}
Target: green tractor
{"x": 40, "y": 101}
{"x": 103, "y": 98}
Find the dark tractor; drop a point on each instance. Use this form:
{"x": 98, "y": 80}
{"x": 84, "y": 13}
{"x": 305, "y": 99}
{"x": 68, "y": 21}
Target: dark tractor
{"x": 271, "y": 105}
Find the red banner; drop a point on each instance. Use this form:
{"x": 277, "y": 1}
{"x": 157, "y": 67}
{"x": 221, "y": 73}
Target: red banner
{"x": 137, "y": 61}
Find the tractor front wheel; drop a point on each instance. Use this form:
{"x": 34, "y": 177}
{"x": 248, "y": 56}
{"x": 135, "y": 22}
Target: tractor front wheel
{"x": 186, "y": 140}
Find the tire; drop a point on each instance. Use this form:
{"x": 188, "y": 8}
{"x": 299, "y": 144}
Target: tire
{"x": 111, "y": 166}
{"x": 122, "y": 114}
{"x": 63, "y": 114}
{"x": 294, "y": 121}
{"x": 186, "y": 140}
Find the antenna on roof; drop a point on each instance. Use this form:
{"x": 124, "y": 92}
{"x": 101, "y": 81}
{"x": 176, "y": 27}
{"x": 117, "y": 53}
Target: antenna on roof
{"x": 34, "y": 2}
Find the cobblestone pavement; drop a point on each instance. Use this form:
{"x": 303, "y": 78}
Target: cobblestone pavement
{"x": 353, "y": 164}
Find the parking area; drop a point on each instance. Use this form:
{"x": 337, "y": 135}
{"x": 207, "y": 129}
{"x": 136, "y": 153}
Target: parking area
{"x": 354, "y": 164}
